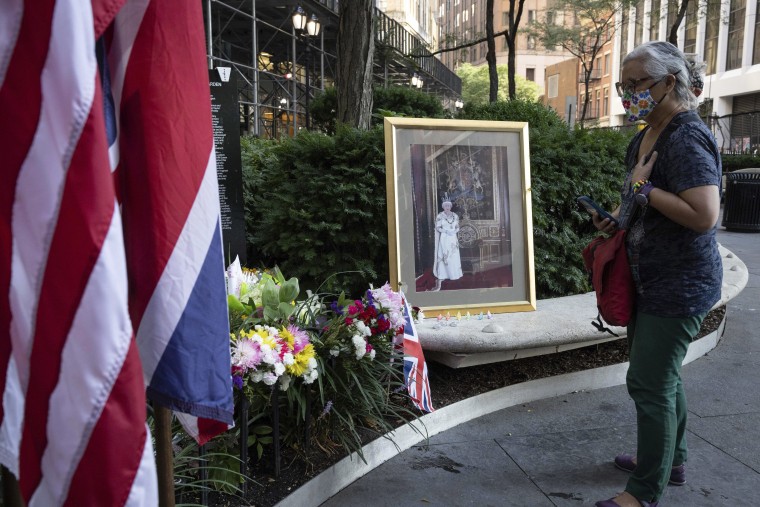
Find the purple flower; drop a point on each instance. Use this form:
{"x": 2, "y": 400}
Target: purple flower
{"x": 237, "y": 381}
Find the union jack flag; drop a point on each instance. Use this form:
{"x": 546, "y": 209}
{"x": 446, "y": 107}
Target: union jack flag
{"x": 415, "y": 367}
{"x": 162, "y": 155}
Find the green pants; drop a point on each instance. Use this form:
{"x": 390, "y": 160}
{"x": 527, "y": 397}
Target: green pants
{"x": 658, "y": 346}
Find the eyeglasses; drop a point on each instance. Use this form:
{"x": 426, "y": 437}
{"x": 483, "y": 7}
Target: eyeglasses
{"x": 630, "y": 86}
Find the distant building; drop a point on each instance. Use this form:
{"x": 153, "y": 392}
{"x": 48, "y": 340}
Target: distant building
{"x": 464, "y": 20}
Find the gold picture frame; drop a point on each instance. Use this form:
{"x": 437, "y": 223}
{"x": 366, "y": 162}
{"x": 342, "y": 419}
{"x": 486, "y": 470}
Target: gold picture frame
{"x": 474, "y": 254}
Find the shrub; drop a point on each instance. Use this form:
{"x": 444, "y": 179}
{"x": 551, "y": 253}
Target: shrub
{"x": 734, "y": 162}
{"x": 564, "y": 164}
{"x": 402, "y": 101}
{"x": 318, "y": 209}
{"x": 315, "y": 204}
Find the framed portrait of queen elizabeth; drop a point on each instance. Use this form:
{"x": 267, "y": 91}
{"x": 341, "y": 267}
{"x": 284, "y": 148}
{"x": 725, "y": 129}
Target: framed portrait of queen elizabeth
{"x": 460, "y": 233}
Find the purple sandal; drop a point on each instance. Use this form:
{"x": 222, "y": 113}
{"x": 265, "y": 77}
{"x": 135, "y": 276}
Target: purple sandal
{"x": 677, "y": 474}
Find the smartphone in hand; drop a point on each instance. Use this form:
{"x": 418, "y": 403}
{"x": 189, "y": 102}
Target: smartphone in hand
{"x": 590, "y": 206}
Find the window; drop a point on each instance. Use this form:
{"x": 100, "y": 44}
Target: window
{"x": 756, "y": 49}
{"x": 654, "y": 20}
{"x": 553, "y": 86}
{"x": 672, "y": 13}
{"x": 606, "y": 103}
{"x": 531, "y": 42}
{"x": 504, "y": 45}
{"x": 623, "y": 35}
{"x": 639, "y": 27}
{"x": 690, "y": 34}
{"x": 597, "y": 104}
{"x": 712, "y": 26}
{"x": 549, "y": 17}
{"x": 530, "y": 74}
{"x": 531, "y": 16}
{"x": 607, "y": 68}
{"x": 505, "y": 18}
{"x": 457, "y": 22}
{"x": 735, "y": 34}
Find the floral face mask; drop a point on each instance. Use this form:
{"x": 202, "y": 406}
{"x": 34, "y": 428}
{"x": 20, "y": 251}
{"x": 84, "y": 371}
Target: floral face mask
{"x": 638, "y": 105}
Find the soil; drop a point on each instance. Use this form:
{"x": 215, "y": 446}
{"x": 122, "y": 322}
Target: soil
{"x": 447, "y": 386}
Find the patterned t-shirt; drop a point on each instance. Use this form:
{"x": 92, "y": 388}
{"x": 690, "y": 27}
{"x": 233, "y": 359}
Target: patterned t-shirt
{"x": 678, "y": 271}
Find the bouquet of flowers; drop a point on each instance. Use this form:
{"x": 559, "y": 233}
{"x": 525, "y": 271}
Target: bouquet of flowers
{"x": 269, "y": 347}
{"x": 361, "y": 326}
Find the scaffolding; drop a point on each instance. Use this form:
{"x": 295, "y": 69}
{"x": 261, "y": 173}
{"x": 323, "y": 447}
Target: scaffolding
{"x": 280, "y": 70}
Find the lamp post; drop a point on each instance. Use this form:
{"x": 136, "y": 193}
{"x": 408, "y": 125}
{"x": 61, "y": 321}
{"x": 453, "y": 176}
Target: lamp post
{"x": 306, "y": 27}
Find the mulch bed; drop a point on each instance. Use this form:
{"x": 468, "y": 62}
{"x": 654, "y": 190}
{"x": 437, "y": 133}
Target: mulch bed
{"x": 447, "y": 386}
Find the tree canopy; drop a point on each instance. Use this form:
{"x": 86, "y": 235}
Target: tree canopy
{"x": 476, "y": 82}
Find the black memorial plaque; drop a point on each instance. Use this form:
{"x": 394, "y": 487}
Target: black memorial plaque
{"x": 225, "y": 116}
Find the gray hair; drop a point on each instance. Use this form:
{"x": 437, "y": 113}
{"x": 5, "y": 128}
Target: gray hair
{"x": 662, "y": 58}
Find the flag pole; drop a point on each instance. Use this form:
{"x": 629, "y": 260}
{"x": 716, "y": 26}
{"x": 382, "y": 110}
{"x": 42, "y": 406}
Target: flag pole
{"x": 11, "y": 492}
{"x": 164, "y": 460}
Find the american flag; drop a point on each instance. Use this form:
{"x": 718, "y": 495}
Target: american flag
{"x": 164, "y": 163}
{"x": 72, "y": 422}
{"x": 415, "y": 367}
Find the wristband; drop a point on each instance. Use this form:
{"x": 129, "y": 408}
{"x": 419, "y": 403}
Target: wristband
{"x": 642, "y": 194}
{"x": 638, "y": 185}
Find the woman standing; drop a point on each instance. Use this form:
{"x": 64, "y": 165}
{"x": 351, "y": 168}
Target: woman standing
{"x": 670, "y": 204}
{"x": 447, "y": 264}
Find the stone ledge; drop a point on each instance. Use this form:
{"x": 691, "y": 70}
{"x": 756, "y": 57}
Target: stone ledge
{"x": 557, "y": 324}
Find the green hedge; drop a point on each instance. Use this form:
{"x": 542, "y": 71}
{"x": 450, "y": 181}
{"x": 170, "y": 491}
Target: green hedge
{"x": 315, "y": 204}
{"x": 564, "y": 164}
{"x": 734, "y": 162}
{"x": 400, "y": 100}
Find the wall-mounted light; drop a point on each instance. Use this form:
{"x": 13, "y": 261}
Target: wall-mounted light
{"x": 415, "y": 80}
{"x": 459, "y": 104}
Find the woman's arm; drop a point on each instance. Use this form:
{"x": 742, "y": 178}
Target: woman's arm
{"x": 695, "y": 208}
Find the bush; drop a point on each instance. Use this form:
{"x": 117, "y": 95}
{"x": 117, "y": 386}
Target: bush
{"x": 734, "y": 162}
{"x": 318, "y": 208}
{"x": 315, "y": 204}
{"x": 400, "y": 100}
{"x": 564, "y": 164}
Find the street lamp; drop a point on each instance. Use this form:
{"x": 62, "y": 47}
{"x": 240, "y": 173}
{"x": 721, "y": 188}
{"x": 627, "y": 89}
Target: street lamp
{"x": 306, "y": 27}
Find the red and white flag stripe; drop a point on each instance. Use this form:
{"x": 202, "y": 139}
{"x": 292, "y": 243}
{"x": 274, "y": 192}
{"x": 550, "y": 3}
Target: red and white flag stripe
{"x": 72, "y": 427}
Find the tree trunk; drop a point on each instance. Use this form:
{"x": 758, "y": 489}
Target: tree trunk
{"x": 356, "y": 45}
{"x": 673, "y": 36}
{"x": 493, "y": 76}
{"x": 515, "y": 13}
{"x": 511, "y": 67}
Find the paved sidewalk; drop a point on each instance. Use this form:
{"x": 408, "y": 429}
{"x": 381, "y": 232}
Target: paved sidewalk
{"x": 558, "y": 451}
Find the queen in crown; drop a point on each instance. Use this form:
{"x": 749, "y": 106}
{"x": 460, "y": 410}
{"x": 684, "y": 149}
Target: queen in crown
{"x": 447, "y": 264}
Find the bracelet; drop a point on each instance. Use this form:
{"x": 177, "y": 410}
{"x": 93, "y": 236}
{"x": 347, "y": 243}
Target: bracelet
{"x": 637, "y": 186}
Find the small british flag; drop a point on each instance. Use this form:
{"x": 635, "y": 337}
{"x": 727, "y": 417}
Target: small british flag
{"x": 415, "y": 368}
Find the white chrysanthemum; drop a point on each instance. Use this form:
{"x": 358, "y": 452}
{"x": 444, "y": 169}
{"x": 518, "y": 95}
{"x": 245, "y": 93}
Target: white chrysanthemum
{"x": 420, "y": 316}
{"x": 270, "y": 378}
{"x": 363, "y": 329}
{"x": 284, "y": 382}
{"x": 312, "y": 364}
{"x": 310, "y": 377}
{"x": 288, "y": 359}
{"x": 372, "y": 354}
{"x": 279, "y": 369}
{"x": 360, "y": 345}
{"x": 257, "y": 376}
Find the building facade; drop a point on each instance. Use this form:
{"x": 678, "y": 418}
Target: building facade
{"x": 465, "y": 20}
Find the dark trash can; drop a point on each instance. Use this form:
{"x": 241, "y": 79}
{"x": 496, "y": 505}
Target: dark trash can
{"x": 741, "y": 208}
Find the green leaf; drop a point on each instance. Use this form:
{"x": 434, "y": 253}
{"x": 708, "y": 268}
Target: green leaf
{"x": 234, "y": 304}
{"x": 289, "y": 290}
